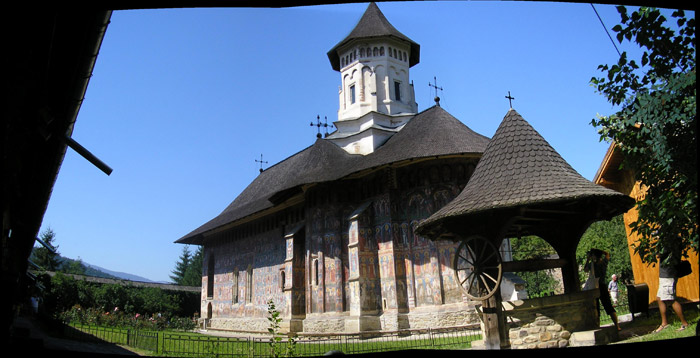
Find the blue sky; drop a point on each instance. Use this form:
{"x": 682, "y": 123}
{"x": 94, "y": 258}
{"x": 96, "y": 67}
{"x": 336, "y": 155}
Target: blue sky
{"x": 183, "y": 101}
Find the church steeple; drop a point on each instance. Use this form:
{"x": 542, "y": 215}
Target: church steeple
{"x": 374, "y": 61}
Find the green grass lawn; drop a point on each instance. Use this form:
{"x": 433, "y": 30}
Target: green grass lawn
{"x": 641, "y": 329}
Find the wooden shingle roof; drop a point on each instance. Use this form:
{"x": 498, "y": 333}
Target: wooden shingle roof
{"x": 431, "y": 133}
{"x": 519, "y": 169}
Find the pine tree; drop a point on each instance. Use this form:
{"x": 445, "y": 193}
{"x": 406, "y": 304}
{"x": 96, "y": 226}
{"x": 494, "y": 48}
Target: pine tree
{"x": 42, "y": 256}
{"x": 193, "y": 274}
{"x": 181, "y": 266}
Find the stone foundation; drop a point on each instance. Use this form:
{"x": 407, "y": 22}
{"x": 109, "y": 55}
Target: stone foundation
{"x": 548, "y": 322}
{"x": 239, "y": 324}
{"x": 544, "y": 332}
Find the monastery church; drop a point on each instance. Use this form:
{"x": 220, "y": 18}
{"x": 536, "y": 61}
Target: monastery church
{"x": 328, "y": 233}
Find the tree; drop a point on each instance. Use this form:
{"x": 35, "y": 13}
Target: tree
{"x": 655, "y": 128}
{"x": 43, "y": 257}
{"x": 610, "y": 237}
{"x": 193, "y": 273}
{"x": 181, "y": 266}
{"x": 539, "y": 283}
{"x": 76, "y": 267}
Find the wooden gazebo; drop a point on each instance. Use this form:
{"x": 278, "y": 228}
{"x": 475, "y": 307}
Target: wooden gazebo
{"x": 521, "y": 186}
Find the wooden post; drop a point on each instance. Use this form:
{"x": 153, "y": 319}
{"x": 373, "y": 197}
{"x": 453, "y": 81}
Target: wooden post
{"x": 493, "y": 324}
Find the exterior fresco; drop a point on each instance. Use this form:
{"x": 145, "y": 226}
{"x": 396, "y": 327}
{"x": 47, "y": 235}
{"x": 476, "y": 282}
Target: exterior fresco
{"x": 370, "y": 264}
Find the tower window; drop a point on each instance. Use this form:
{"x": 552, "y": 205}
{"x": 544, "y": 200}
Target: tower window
{"x": 352, "y": 94}
{"x": 397, "y": 90}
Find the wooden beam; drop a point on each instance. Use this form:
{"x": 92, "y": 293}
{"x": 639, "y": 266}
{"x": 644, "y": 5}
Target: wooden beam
{"x": 533, "y": 265}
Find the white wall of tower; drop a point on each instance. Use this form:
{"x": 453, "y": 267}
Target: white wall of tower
{"x": 371, "y": 74}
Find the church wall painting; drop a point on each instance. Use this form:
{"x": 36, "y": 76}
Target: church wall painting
{"x": 264, "y": 255}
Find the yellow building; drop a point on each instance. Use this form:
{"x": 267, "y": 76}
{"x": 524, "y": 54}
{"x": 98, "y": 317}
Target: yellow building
{"x": 611, "y": 176}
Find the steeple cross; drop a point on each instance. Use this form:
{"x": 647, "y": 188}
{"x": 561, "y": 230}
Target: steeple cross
{"x": 261, "y": 162}
{"x": 510, "y": 99}
{"x": 319, "y": 125}
{"x": 437, "y": 99}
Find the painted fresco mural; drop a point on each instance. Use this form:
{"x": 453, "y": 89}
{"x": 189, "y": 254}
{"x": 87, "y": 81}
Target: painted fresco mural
{"x": 392, "y": 267}
{"x": 232, "y": 280}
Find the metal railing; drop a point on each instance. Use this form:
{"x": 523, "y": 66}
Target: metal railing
{"x": 198, "y": 345}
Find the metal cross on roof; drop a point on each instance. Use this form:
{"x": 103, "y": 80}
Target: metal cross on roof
{"x": 261, "y": 162}
{"x": 510, "y": 99}
{"x": 319, "y": 125}
{"x": 437, "y": 99}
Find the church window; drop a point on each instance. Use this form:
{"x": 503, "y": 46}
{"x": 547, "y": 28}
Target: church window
{"x": 369, "y": 52}
{"x": 234, "y": 286}
{"x": 352, "y": 94}
{"x": 210, "y": 277}
{"x": 362, "y": 52}
{"x": 405, "y": 56}
{"x": 381, "y": 51}
{"x": 375, "y": 52}
{"x": 249, "y": 284}
{"x": 282, "y": 279}
{"x": 394, "y": 53}
{"x": 317, "y": 273}
{"x": 390, "y": 52}
{"x": 397, "y": 90}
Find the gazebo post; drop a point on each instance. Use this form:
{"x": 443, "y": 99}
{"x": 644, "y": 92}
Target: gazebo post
{"x": 493, "y": 323}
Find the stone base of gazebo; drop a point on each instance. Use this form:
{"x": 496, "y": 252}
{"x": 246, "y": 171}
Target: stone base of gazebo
{"x": 551, "y": 322}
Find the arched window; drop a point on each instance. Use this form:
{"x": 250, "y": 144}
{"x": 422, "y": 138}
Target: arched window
{"x": 362, "y": 52}
{"x": 375, "y": 52}
{"x": 369, "y": 52}
{"x": 405, "y": 56}
{"x": 282, "y": 280}
{"x": 381, "y": 51}
{"x": 390, "y": 52}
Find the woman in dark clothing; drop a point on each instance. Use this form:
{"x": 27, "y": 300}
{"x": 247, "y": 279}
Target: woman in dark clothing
{"x": 597, "y": 264}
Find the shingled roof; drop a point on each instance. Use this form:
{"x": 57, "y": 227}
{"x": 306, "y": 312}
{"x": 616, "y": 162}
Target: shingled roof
{"x": 431, "y": 133}
{"x": 323, "y": 161}
{"x": 519, "y": 169}
{"x": 374, "y": 24}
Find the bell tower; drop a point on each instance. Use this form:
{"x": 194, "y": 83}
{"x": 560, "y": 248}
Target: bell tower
{"x": 376, "y": 97}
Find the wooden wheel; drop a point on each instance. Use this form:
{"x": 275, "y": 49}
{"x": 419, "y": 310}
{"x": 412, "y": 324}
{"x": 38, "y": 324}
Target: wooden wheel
{"x": 478, "y": 267}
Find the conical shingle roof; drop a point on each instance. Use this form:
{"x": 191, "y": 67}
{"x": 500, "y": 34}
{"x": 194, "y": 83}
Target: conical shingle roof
{"x": 519, "y": 169}
{"x": 374, "y": 24}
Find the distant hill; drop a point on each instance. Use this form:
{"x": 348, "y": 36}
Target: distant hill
{"x": 115, "y": 274}
{"x": 97, "y": 271}
{"x": 68, "y": 265}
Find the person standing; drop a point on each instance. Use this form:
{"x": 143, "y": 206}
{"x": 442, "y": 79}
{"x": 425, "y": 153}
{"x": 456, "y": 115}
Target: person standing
{"x": 597, "y": 262}
{"x": 613, "y": 289}
{"x": 668, "y": 277}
